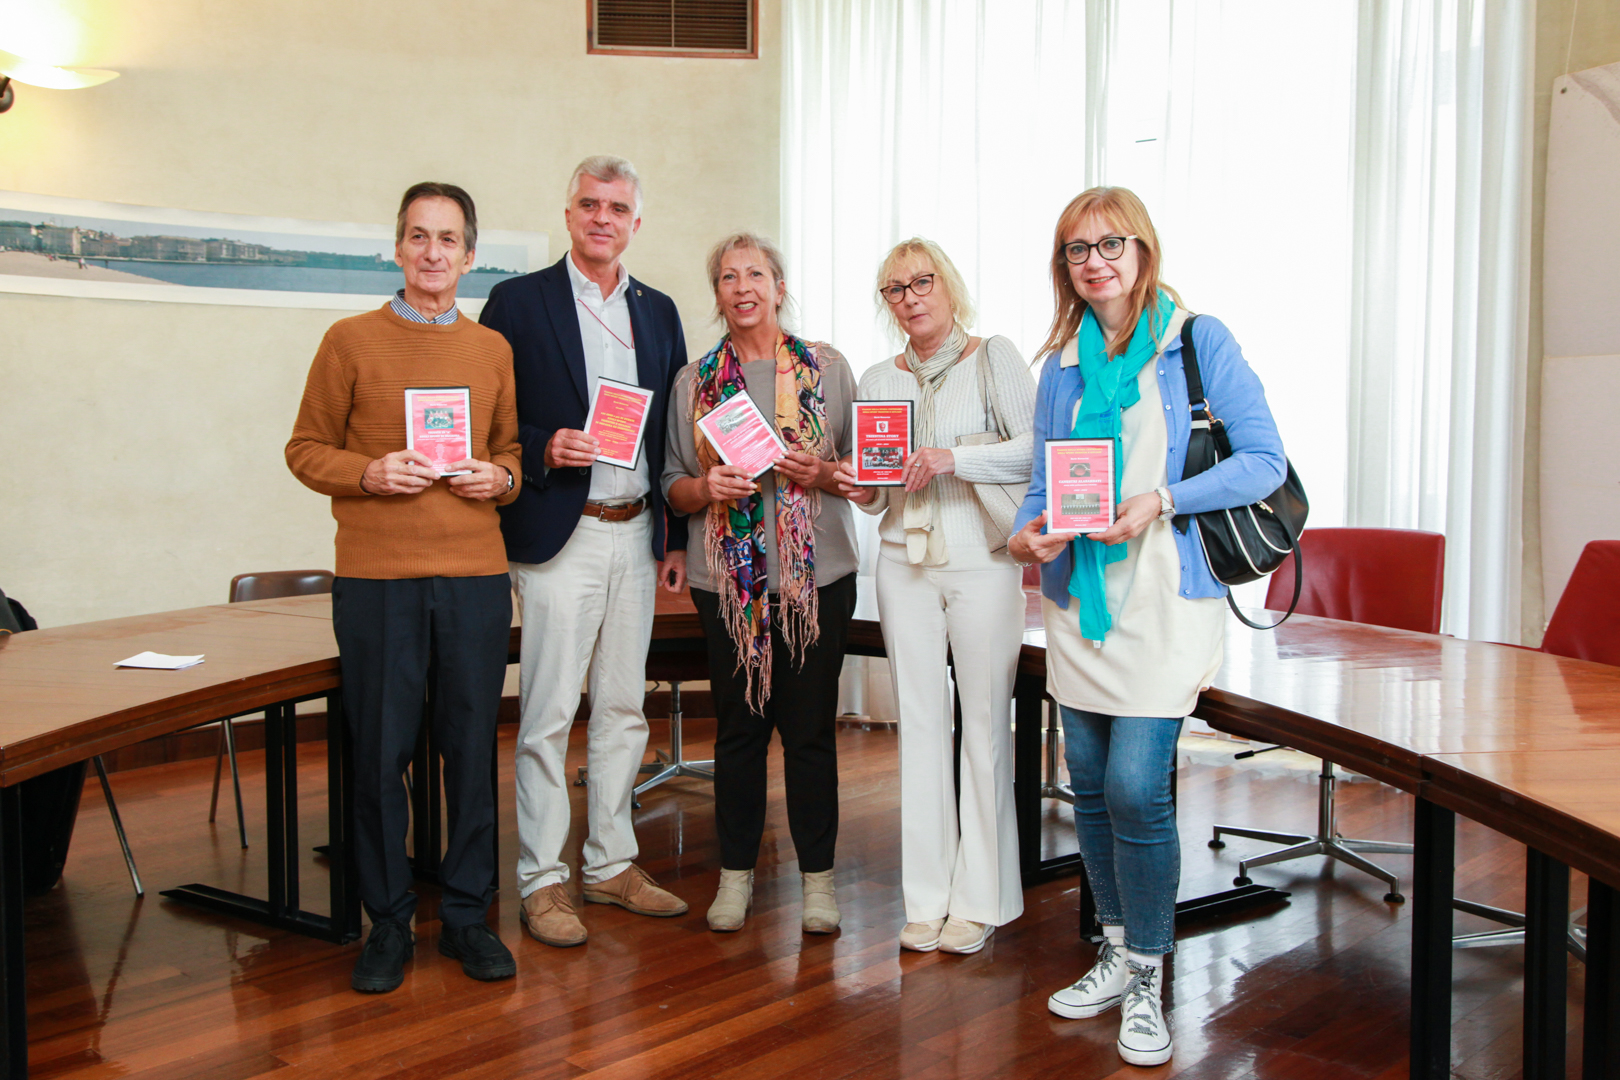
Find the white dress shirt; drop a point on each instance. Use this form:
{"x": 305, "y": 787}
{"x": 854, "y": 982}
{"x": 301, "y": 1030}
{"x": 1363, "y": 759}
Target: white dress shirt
{"x": 610, "y": 352}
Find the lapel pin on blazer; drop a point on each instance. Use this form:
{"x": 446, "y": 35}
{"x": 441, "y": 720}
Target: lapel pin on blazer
{"x": 638, "y": 292}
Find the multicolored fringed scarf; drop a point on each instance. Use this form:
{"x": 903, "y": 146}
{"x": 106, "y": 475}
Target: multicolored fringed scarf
{"x": 735, "y": 547}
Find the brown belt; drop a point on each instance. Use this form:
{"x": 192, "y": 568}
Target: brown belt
{"x": 616, "y": 512}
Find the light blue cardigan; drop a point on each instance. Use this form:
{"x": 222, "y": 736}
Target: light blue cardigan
{"x": 1255, "y": 469}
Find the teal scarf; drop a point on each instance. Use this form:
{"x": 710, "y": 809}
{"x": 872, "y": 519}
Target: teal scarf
{"x": 1110, "y": 387}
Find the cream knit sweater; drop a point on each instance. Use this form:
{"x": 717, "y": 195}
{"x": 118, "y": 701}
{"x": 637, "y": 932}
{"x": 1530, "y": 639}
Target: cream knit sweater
{"x": 960, "y": 410}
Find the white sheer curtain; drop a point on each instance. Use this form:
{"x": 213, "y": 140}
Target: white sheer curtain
{"x": 1440, "y": 291}
{"x": 1302, "y": 182}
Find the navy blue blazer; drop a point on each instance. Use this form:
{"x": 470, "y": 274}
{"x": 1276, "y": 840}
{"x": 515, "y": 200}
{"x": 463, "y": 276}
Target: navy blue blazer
{"x": 536, "y": 313}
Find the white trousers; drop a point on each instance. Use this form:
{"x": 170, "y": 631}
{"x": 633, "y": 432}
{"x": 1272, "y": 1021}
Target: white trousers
{"x": 957, "y": 857}
{"x": 587, "y": 610}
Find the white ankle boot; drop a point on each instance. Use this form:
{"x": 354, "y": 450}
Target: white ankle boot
{"x": 820, "y": 905}
{"x": 732, "y": 900}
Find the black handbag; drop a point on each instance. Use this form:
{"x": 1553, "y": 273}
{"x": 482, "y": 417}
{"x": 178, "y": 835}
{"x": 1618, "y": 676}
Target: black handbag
{"x": 1244, "y": 543}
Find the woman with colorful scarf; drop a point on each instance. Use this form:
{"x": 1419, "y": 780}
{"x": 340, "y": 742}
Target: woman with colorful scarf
{"x": 772, "y": 574}
{"x": 946, "y": 582}
{"x": 1134, "y": 617}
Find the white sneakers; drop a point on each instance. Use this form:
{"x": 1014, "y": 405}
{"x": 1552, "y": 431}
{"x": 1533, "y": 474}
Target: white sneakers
{"x": 1144, "y": 1036}
{"x": 921, "y": 936}
{"x": 1098, "y": 989}
{"x": 963, "y": 936}
{"x": 951, "y": 935}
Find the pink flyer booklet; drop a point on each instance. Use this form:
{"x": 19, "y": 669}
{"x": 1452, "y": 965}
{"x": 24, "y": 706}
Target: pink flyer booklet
{"x": 438, "y": 423}
{"x": 617, "y": 420}
{"x": 1079, "y": 485}
{"x": 737, "y": 429}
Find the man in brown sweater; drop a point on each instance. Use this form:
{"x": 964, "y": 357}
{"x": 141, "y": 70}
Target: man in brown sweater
{"x": 421, "y": 577}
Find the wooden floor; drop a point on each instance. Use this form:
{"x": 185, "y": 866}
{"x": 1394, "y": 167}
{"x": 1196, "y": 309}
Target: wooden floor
{"x": 119, "y": 988}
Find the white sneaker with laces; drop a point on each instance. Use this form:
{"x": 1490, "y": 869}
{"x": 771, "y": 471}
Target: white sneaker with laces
{"x": 964, "y": 936}
{"x": 1098, "y": 990}
{"x": 1144, "y": 1036}
{"x": 921, "y": 936}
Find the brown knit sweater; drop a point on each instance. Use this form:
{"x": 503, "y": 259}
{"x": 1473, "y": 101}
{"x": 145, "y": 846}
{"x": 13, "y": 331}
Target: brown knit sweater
{"x": 354, "y": 411}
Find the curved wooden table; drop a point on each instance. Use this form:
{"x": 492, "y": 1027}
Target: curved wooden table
{"x": 1526, "y": 743}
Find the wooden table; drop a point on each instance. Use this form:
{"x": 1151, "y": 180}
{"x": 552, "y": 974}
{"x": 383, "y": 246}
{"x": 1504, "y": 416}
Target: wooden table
{"x": 62, "y": 701}
{"x": 1520, "y": 740}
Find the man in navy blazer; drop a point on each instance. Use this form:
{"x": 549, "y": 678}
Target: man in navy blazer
{"x": 587, "y": 544}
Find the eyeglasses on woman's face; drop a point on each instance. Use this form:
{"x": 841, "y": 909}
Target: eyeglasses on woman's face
{"x": 922, "y": 286}
{"x": 1109, "y": 247}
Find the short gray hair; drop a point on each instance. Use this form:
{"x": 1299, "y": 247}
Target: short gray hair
{"x": 609, "y": 170}
{"x": 741, "y": 241}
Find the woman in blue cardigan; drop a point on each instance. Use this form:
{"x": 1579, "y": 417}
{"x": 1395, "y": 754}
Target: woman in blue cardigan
{"x": 1134, "y": 617}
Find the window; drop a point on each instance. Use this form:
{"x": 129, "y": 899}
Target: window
{"x": 675, "y": 27}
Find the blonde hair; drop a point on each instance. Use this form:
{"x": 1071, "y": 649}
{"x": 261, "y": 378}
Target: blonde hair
{"x": 916, "y": 250}
{"x": 1121, "y": 210}
{"x": 768, "y": 250}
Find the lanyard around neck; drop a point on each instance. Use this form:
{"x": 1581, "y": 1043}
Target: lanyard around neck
{"x": 632, "y": 343}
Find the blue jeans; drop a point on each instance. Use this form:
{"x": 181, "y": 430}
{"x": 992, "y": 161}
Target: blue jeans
{"x": 1120, "y": 768}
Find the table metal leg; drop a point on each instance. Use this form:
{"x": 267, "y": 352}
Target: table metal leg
{"x": 344, "y": 889}
{"x": 1601, "y": 1042}
{"x": 1546, "y": 965}
{"x": 1433, "y": 870}
{"x": 281, "y": 909}
{"x": 13, "y": 984}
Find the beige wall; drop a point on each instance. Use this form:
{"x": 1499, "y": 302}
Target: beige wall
{"x": 1571, "y": 35}
{"x": 145, "y": 439}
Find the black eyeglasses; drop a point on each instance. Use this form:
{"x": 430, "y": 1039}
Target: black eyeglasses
{"x": 1109, "y": 247}
{"x": 922, "y": 286}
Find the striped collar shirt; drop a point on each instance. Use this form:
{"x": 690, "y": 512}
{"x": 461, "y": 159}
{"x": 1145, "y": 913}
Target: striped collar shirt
{"x": 410, "y": 314}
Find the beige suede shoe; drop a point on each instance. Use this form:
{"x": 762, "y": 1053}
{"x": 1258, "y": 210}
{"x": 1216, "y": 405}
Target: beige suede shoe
{"x": 634, "y": 890}
{"x": 921, "y": 936}
{"x": 820, "y": 905}
{"x": 548, "y": 916}
{"x": 732, "y": 900}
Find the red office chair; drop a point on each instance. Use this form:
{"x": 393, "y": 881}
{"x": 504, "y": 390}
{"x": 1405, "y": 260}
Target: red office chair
{"x": 267, "y": 585}
{"x": 1383, "y": 577}
{"x": 1584, "y": 626}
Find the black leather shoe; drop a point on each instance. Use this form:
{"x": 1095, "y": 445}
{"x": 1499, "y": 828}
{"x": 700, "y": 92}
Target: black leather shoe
{"x": 482, "y": 954}
{"x": 381, "y": 966}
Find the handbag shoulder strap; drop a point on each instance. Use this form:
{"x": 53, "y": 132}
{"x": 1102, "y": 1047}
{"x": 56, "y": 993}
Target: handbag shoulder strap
{"x": 1202, "y": 417}
{"x": 987, "y": 390}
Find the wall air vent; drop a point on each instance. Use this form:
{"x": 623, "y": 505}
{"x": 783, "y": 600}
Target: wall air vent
{"x": 675, "y": 27}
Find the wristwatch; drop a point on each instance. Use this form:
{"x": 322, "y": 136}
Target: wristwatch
{"x": 1167, "y": 505}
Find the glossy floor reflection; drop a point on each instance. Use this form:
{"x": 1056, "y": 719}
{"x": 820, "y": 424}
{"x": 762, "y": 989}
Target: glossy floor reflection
{"x": 126, "y": 988}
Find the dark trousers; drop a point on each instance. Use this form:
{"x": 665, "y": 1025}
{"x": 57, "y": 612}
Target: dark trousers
{"x": 802, "y": 709}
{"x": 389, "y": 634}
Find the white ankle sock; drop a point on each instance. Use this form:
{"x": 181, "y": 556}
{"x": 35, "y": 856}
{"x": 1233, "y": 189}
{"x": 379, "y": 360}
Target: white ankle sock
{"x": 1144, "y": 959}
{"x": 1115, "y": 936}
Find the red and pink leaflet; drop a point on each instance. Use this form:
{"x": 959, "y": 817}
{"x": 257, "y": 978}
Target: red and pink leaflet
{"x": 438, "y": 423}
{"x": 882, "y": 442}
{"x": 744, "y": 438}
{"x": 618, "y": 421}
{"x": 1080, "y": 493}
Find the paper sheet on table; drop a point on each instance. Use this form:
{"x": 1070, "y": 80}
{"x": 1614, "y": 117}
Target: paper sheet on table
{"x": 161, "y": 661}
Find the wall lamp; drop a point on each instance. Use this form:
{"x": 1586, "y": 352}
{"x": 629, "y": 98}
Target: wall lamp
{"x": 14, "y": 68}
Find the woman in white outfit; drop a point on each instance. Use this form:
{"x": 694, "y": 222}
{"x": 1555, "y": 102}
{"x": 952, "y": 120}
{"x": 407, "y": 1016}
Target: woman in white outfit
{"x": 945, "y": 580}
